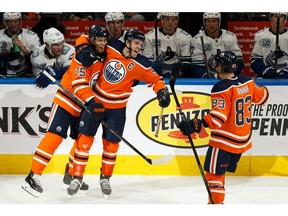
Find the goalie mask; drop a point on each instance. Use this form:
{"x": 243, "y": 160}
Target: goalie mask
{"x": 227, "y": 60}
{"x": 53, "y": 39}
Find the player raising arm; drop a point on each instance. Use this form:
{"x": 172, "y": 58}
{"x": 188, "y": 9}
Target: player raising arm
{"x": 229, "y": 121}
{"x": 123, "y": 64}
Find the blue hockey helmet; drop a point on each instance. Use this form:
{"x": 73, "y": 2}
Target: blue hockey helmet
{"x": 227, "y": 60}
{"x": 134, "y": 34}
{"x": 96, "y": 31}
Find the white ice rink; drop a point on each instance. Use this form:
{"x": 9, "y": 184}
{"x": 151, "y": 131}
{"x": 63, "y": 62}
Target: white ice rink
{"x": 148, "y": 194}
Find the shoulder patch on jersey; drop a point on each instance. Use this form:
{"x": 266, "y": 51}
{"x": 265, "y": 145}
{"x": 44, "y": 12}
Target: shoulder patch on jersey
{"x": 184, "y": 32}
{"x": 30, "y": 32}
{"x": 230, "y": 33}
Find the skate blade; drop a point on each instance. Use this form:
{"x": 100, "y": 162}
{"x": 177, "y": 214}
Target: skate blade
{"x": 29, "y": 190}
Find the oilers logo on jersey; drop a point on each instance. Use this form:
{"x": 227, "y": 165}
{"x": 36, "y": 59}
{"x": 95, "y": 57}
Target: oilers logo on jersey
{"x": 114, "y": 71}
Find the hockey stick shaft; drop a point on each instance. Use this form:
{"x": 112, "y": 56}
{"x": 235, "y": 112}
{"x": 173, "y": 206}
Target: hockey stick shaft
{"x": 204, "y": 56}
{"x": 183, "y": 117}
{"x": 156, "y": 35}
{"x": 159, "y": 122}
{"x": 81, "y": 104}
{"x": 277, "y": 44}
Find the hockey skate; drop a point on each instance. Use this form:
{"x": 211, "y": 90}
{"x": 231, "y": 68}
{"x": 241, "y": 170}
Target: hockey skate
{"x": 32, "y": 184}
{"x": 67, "y": 179}
{"x": 105, "y": 186}
{"x": 74, "y": 186}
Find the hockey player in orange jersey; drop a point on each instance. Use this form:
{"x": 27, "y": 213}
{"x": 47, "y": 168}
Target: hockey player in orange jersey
{"x": 229, "y": 121}
{"x": 123, "y": 64}
{"x": 65, "y": 111}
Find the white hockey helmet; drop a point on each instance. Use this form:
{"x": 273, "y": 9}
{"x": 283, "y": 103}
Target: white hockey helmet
{"x": 280, "y": 13}
{"x": 111, "y": 16}
{"x": 212, "y": 15}
{"x": 11, "y": 15}
{"x": 175, "y": 14}
{"x": 52, "y": 36}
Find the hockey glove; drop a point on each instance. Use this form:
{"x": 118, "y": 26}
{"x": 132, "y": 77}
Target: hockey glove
{"x": 268, "y": 73}
{"x": 163, "y": 97}
{"x": 97, "y": 109}
{"x": 190, "y": 126}
{"x": 86, "y": 55}
{"x": 42, "y": 81}
{"x": 283, "y": 74}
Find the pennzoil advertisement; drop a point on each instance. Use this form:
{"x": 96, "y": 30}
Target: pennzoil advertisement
{"x": 25, "y": 110}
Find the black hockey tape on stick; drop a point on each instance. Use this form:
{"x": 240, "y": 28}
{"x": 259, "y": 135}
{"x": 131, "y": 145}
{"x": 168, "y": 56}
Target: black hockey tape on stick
{"x": 183, "y": 117}
{"x": 162, "y": 160}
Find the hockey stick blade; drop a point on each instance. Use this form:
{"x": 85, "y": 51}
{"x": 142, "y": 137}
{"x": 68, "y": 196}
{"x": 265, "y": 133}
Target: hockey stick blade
{"x": 162, "y": 160}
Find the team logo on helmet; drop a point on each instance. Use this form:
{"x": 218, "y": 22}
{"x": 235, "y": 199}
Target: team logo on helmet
{"x": 114, "y": 71}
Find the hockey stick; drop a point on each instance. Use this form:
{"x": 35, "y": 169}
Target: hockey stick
{"x": 205, "y": 57}
{"x": 162, "y": 160}
{"x": 156, "y": 35}
{"x": 158, "y": 122}
{"x": 172, "y": 81}
{"x": 277, "y": 48}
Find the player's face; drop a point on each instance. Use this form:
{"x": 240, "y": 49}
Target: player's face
{"x": 115, "y": 28}
{"x": 57, "y": 49}
{"x": 282, "y": 21}
{"x": 100, "y": 44}
{"x": 136, "y": 46}
{"x": 211, "y": 25}
{"x": 169, "y": 24}
{"x": 13, "y": 25}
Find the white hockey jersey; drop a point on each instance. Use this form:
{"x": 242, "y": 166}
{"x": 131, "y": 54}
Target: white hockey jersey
{"x": 170, "y": 48}
{"x": 226, "y": 42}
{"x": 19, "y": 66}
{"x": 265, "y": 46}
{"x": 40, "y": 59}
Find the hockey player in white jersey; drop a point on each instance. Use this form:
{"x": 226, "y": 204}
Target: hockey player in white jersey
{"x": 54, "y": 57}
{"x": 115, "y": 25}
{"x": 206, "y": 43}
{"x": 173, "y": 46}
{"x": 265, "y": 50}
{"x": 25, "y": 42}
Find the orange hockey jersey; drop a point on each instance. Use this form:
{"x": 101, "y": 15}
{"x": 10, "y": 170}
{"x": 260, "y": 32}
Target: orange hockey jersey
{"x": 114, "y": 85}
{"x": 230, "y": 117}
{"x": 79, "y": 81}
